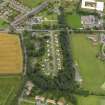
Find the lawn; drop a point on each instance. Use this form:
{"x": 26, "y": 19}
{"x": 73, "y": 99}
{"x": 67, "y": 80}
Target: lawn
{"x": 31, "y": 3}
{"x": 3, "y": 24}
{"x": 8, "y": 88}
{"x": 92, "y": 69}
{"x": 90, "y": 100}
{"x": 74, "y": 20}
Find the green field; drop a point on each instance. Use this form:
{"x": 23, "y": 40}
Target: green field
{"x": 92, "y": 69}
{"x": 27, "y": 103}
{"x": 31, "y": 3}
{"x": 8, "y": 88}
{"x": 74, "y": 21}
{"x": 90, "y": 100}
{"x": 3, "y": 24}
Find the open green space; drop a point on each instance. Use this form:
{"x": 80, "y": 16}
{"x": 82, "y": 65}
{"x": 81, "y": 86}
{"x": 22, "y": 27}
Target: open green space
{"x": 27, "y": 103}
{"x": 74, "y": 20}
{"x": 90, "y": 100}
{"x": 31, "y": 3}
{"x": 92, "y": 69}
{"x": 3, "y": 24}
{"x": 9, "y": 86}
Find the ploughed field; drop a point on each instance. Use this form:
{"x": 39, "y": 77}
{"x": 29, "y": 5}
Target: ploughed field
{"x": 11, "y": 59}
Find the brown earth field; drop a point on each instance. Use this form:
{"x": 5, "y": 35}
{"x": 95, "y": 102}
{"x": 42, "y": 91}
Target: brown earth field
{"x": 11, "y": 57}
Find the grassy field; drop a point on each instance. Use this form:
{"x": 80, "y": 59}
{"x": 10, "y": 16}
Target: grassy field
{"x": 3, "y": 24}
{"x": 90, "y": 100}
{"x": 31, "y": 3}
{"x": 92, "y": 69}
{"x": 11, "y": 60}
{"x": 27, "y": 103}
{"x": 9, "y": 86}
{"x": 74, "y": 21}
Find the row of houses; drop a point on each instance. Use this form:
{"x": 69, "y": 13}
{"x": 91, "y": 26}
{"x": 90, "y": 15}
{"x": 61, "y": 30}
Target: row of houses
{"x": 41, "y": 99}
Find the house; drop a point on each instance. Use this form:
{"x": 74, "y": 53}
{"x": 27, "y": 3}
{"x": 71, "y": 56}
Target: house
{"x": 29, "y": 86}
{"x": 51, "y": 101}
{"x": 60, "y": 103}
{"x": 91, "y": 21}
{"x": 88, "y": 21}
{"x": 40, "y": 98}
{"x": 36, "y": 20}
{"x": 102, "y": 38}
{"x": 92, "y": 5}
{"x": 100, "y": 6}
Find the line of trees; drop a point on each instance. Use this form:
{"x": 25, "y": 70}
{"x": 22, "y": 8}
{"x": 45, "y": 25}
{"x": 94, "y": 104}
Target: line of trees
{"x": 64, "y": 81}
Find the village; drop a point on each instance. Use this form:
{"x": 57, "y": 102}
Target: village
{"x": 52, "y": 52}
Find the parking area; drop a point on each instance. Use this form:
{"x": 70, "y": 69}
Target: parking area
{"x": 52, "y": 61}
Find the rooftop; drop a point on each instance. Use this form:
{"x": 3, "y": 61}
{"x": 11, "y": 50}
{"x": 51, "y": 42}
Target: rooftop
{"x": 100, "y": 6}
{"x": 93, "y": 5}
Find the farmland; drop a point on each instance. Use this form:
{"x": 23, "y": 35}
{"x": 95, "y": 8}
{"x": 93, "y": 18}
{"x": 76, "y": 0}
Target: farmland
{"x": 11, "y": 61}
{"x": 28, "y": 101}
{"x": 92, "y": 69}
{"x": 9, "y": 86}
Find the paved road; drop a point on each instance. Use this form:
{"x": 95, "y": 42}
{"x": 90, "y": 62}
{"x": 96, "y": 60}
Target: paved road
{"x": 69, "y": 30}
{"x": 53, "y": 53}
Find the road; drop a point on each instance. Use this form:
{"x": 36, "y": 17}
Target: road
{"x": 57, "y": 30}
{"x": 53, "y": 53}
